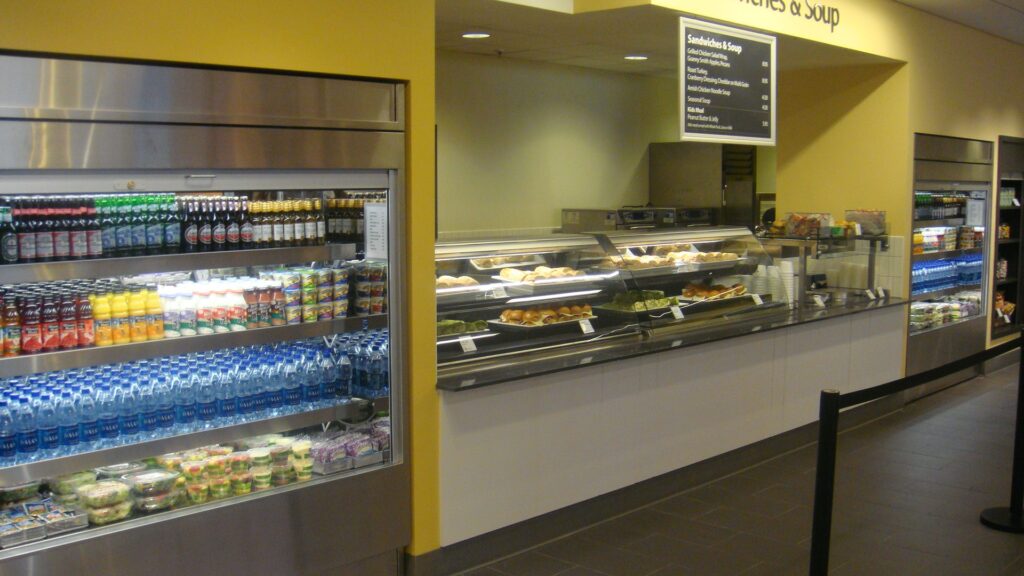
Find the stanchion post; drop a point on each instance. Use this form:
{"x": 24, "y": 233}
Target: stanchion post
{"x": 824, "y": 481}
{"x": 1011, "y": 519}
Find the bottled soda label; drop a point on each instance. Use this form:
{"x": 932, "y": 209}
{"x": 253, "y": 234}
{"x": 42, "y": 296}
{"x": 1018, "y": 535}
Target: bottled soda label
{"x": 61, "y": 243}
{"x": 123, "y": 237}
{"x": 165, "y": 418}
{"x": 79, "y": 244}
{"x": 150, "y": 420}
{"x": 90, "y": 431}
{"x": 49, "y": 438}
{"x": 8, "y": 446}
{"x": 27, "y": 246}
{"x": 219, "y": 233}
{"x": 172, "y": 234}
{"x": 155, "y": 235}
{"x": 31, "y": 339}
{"x": 184, "y": 413}
{"x": 206, "y": 410}
{"x": 108, "y": 427}
{"x": 139, "y": 235}
{"x": 28, "y": 442}
{"x": 9, "y": 248}
{"x": 247, "y": 232}
{"x": 206, "y": 234}
{"x": 86, "y": 332}
{"x": 69, "y": 334}
{"x": 109, "y": 238}
{"x": 192, "y": 235}
{"x": 44, "y": 245}
{"x": 69, "y": 435}
{"x": 96, "y": 242}
{"x": 233, "y": 233}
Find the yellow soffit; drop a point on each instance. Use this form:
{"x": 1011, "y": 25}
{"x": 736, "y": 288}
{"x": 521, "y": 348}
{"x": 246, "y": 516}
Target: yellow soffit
{"x": 870, "y": 26}
{"x": 578, "y": 6}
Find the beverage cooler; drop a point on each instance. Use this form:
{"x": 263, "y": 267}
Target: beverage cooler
{"x": 202, "y": 310}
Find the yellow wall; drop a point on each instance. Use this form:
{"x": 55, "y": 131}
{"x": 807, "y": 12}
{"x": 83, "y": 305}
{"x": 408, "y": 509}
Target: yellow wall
{"x": 386, "y": 38}
{"x": 518, "y": 140}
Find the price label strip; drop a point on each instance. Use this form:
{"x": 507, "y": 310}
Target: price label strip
{"x": 499, "y": 292}
{"x": 880, "y": 292}
{"x": 757, "y": 299}
{"x": 586, "y": 360}
{"x": 819, "y": 301}
{"x": 869, "y": 294}
{"x": 467, "y": 343}
{"x": 676, "y": 312}
{"x": 586, "y": 327}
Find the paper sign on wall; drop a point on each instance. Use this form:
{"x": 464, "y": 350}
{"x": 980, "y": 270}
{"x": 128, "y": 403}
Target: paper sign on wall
{"x": 376, "y": 231}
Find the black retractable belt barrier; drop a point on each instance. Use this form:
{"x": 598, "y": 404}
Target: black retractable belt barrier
{"x": 1007, "y": 519}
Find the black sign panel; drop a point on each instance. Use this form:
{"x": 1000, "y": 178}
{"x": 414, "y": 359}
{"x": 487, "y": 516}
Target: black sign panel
{"x": 727, "y": 84}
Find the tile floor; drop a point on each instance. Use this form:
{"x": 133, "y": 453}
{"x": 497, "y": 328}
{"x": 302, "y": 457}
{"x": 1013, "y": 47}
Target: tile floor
{"x": 909, "y": 488}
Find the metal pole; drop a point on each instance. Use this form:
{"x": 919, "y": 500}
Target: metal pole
{"x": 1012, "y": 519}
{"x": 824, "y": 481}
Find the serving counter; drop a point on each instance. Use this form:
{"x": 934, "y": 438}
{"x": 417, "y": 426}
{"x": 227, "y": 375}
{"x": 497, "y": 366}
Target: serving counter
{"x": 682, "y": 346}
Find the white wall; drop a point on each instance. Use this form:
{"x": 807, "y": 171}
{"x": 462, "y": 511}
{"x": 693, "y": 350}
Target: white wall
{"x": 519, "y": 140}
{"x": 514, "y": 451}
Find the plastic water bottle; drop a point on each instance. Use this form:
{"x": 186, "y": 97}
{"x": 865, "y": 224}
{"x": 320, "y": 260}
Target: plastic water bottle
{"x": 46, "y": 422}
{"x": 69, "y": 432}
{"x": 88, "y": 418}
{"x": 126, "y": 399}
{"x": 246, "y": 399}
{"x": 206, "y": 399}
{"x": 344, "y": 375}
{"x": 163, "y": 396}
{"x": 375, "y": 370}
{"x": 227, "y": 399}
{"x": 312, "y": 380}
{"x": 8, "y": 435}
{"x": 106, "y": 406}
{"x": 275, "y": 389}
{"x": 148, "y": 418}
{"x": 328, "y": 377}
{"x": 26, "y": 433}
{"x": 292, "y": 384}
{"x": 184, "y": 402}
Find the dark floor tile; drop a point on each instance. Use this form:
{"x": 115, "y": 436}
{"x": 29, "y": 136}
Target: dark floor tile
{"x": 684, "y": 506}
{"x": 763, "y": 505}
{"x": 485, "y": 571}
{"x": 765, "y": 550}
{"x": 531, "y": 564}
{"x": 689, "y": 530}
{"x": 671, "y": 550}
{"x": 580, "y": 571}
{"x": 773, "y": 569}
{"x": 712, "y": 494}
{"x": 786, "y": 493}
{"x": 617, "y": 532}
{"x": 601, "y": 557}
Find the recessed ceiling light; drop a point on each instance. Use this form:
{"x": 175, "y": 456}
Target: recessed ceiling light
{"x": 476, "y": 35}
{"x": 635, "y": 57}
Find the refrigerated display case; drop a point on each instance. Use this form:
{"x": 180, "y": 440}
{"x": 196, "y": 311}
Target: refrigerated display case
{"x": 211, "y": 380}
{"x": 949, "y": 255}
{"x": 512, "y": 308}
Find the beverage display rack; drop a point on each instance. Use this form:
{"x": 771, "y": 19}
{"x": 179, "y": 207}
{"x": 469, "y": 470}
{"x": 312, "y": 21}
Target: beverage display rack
{"x": 1010, "y": 188}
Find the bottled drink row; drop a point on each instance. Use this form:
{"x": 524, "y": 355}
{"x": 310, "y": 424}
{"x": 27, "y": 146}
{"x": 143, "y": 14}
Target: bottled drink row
{"x": 945, "y": 274}
{"x": 74, "y": 411}
{"x": 62, "y": 315}
{"x": 77, "y": 227}
{"x": 939, "y": 205}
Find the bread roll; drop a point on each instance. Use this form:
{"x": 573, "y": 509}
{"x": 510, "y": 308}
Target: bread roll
{"x": 466, "y": 281}
{"x": 512, "y": 274}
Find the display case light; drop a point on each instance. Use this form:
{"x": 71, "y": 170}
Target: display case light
{"x": 476, "y": 35}
{"x": 635, "y": 57}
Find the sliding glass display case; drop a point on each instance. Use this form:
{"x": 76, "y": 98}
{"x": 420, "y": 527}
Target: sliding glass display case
{"x": 202, "y": 367}
{"x": 513, "y": 308}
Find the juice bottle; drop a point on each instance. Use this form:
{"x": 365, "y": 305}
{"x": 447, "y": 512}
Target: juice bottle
{"x": 154, "y": 316}
{"x": 50, "y": 325}
{"x": 86, "y": 323}
{"x": 137, "y": 315}
{"x": 204, "y": 310}
{"x": 119, "y": 329}
{"x": 31, "y": 331}
{"x": 12, "y": 327}
{"x": 68, "y": 314}
{"x": 219, "y": 305}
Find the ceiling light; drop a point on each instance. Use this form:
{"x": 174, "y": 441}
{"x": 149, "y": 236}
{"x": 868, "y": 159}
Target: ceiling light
{"x": 476, "y": 35}
{"x": 635, "y": 57}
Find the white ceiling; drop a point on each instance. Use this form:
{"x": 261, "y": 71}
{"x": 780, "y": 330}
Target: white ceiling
{"x": 1003, "y": 18}
{"x": 599, "y": 39}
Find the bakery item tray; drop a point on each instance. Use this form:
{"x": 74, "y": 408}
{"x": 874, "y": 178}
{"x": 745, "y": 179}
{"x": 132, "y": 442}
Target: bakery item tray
{"x": 564, "y": 325}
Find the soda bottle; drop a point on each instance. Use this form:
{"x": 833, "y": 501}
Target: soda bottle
{"x": 119, "y": 327}
{"x": 79, "y": 230}
{"x": 139, "y": 224}
{"x": 172, "y": 225}
{"x": 59, "y": 223}
{"x": 25, "y": 229}
{"x": 206, "y": 227}
{"x": 68, "y": 322}
{"x": 123, "y": 230}
{"x": 106, "y": 210}
{"x": 43, "y": 230}
{"x": 93, "y": 230}
{"x": 154, "y": 225}
{"x": 246, "y": 228}
{"x": 12, "y": 326}
{"x": 190, "y": 234}
{"x": 220, "y": 224}
{"x": 8, "y": 242}
{"x": 233, "y": 240}
{"x": 86, "y": 325}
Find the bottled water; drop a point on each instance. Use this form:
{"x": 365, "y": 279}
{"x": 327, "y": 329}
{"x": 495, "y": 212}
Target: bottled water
{"x": 88, "y": 418}
{"x": 46, "y": 422}
{"x": 292, "y": 384}
{"x": 106, "y": 405}
{"x": 206, "y": 399}
{"x": 69, "y": 431}
{"x": 227, "y": 403}
{"x": 26, "y": 434}
{"x": 184, "y": 403}
{"x": 344, "y": 374}
{"x": 8, "y": 441}
{"x": 163, "y": 397}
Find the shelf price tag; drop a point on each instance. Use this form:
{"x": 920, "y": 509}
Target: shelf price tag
{"x": 880, "y": 292}
{"x": 757, "y": 299}
{"x": 1016, "y": 203}
{"x": 586, "y": 326}
{"x": 499, "y": 292}
{"x": 467, "y": 383}
{"x": 677, "y": 343}
{"x": 467, "y": 343}
{"x": 676, "y": 312}
{"x": 869, "y": 294}
{"x": 819, "y": 301}
{"x": 586, "y": 360}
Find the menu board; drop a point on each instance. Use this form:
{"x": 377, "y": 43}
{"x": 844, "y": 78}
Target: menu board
{"x": 727, "y": 84}
{"x": 376, "y": 230}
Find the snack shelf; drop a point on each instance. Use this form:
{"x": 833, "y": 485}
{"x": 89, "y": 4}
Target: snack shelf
{"x": 944, "y": 292}
{"x": 356, "y": 409}
{"x": 924, "y": 257}
{"x": 133, "y": 265}
{"x": 1006, "y": 281}
{"x": 946, "y": 325}
{"x": 83, "y": 357}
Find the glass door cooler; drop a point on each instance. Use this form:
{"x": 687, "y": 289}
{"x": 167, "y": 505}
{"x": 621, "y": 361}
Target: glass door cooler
{"x": 200, "y": 305}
